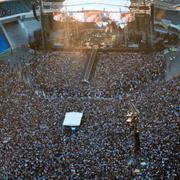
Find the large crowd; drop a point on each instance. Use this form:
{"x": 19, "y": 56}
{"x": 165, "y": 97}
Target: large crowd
{"x": 37, "y": 89}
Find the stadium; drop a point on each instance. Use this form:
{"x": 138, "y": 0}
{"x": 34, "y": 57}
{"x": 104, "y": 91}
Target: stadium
{"x": 89, "y": 89}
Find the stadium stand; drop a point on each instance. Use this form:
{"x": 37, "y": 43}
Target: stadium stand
{"x": 16, "y": 34}
{"x": 172, "y": 1}
{"x": 2, "y": 12}
{"x": 168, "y": 1}
{"x": 174, "y": 16}
{"x": 12, "y": 7}
{"x": 28, "y": 3}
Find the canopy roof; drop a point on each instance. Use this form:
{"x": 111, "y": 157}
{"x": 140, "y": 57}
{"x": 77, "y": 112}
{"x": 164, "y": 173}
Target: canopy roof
{"x": 113, "y": 5}
{"x": 72, "y": 119}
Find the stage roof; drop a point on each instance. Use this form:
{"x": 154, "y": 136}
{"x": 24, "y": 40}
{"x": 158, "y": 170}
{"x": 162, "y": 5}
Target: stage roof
{"x": 72, "y": 119}
{"x": 113, "y": 5}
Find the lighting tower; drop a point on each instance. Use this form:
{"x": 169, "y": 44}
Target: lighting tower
{"x": 141, "y": 10}
{"x": 42, "y": 24}
{"x": 44, "y": 21}
{"x": 133, "y": 121}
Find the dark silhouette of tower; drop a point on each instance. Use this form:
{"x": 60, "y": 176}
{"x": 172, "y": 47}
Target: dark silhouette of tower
{"x": 141, "y": 11}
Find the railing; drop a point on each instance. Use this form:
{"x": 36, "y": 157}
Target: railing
{"x": 90, "y": 64}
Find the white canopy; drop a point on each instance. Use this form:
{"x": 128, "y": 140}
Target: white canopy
{"x": 113, "y": 5}
{"x": 72, "y": 119}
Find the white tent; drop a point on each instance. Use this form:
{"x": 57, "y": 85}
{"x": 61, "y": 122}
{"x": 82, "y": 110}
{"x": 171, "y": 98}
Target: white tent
{"x": 113, "y": 5}
{"x": 72, "y": 119}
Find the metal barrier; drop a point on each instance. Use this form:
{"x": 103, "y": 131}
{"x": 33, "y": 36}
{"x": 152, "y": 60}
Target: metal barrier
{"x": 90, "y": 64}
